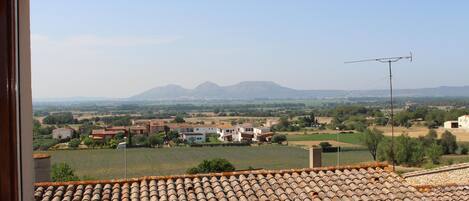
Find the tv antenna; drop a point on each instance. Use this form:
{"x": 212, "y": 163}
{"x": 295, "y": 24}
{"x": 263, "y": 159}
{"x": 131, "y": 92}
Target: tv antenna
{"x": 388, "y": 60}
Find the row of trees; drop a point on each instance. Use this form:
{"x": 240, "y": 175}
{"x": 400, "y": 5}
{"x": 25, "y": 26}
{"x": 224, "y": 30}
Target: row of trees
{"x": 432, "y": 117}
{"x": 407, "y": 150}
{"x": 60, "y": 118}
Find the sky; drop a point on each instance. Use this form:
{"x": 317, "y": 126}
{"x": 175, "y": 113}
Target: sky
{"x": 117, "y": 48}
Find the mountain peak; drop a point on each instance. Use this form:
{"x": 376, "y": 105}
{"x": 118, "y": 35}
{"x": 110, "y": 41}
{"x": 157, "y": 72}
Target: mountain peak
{"x": 207, "y": 85}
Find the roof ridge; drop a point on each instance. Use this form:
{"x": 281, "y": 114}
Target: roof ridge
{"x": 436, "y": 170}
{"x": 385, "y": 166}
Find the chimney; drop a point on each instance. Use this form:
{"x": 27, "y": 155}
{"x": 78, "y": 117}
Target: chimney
{"x": 41, "y": 167}
{"x": 315, "y": 159}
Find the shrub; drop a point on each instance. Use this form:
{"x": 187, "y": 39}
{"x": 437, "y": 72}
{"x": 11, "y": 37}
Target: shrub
{"x": 214, "y": 165}
{"x": 407, "y": 150}
{"x": 464, "y": 150}
{"x": 325, "y": 145}
{"x": 141, "y": 141}
{"x": 74, "y": 143}
{"x": 434, "y": 152}
{"x": 44, "y": 144}
{"x": 63, "y": 172}
{"x": 448, "y": 142}
{"x": 113, "y": 143}
{"x": 279, "y": 138}
{"x": 87, "y": 141}
{"x": 155, "y": 140}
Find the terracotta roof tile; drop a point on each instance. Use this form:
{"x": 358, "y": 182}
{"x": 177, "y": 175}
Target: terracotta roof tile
{"x": 330, "y": 183}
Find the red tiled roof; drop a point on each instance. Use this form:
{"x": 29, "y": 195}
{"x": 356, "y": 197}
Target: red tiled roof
{"x": 446, "y": 192}
{"x": 361, "y": 182}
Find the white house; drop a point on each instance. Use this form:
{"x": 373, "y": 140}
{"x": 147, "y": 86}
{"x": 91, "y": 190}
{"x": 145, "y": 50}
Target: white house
{"x": 205, "y": 129}
{"x": 262, "y": 134}
{"x": 243, "y": 132}
{"x": 463, "y": 121}
{"x": 225, "y": 133}
{"x": 193, "y": 137}
{"x": 62, "y": 133}
{"x": 451, "y": 124}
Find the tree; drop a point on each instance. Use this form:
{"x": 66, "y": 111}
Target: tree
{"x": 87, "y": 141}
{"x": 279, "y": 138}
{"x": 113, "y": 143}
{"x": 74, "y": 143}
{"x": 60, "y": 118}
{"x": 214, "y": 165}
{"x": 464, "y": 150}
{"x": 430, "y": 138}
{"x": 179, "y": 119}
{"x": 63, "y": 172}
{"x": 434, "y": 152}
{"x": 448, "y": 142}
{"x": 371, "y": 139}
{"x": 173, "y": 136}
{"x": 325, "y": 145}
{"x": 384, "y": 150}
{"x": 155, "y": 140}
{"x": 408, "y": 150}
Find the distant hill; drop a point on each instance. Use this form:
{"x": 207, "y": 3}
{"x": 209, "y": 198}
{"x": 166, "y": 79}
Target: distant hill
{"x": 271, "y": 90}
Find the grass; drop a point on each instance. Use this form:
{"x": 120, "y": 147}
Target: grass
{"x": 108, "y": 163}
{"x": 352, "y": 138}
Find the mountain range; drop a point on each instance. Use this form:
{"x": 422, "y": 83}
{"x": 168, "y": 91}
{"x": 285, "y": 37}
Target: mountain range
{"x": 270, "y": 90}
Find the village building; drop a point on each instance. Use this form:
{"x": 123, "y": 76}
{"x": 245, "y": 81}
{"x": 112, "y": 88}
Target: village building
{"x": 225, "y": 132}
{"x": 181, "y": 127}
{"x": 62, "y": 133}
{"x": 192, "y": 137}
{"x": 463, "y": 121}
{"x": 451, "y": 124}
{"x": 205, "y": 129}
{"x": 262, "y": 134}
{"x": 121, "y": 129}
{"x": 243, "y": 132}
{"x": 139, "y": 130}
{"x": 102, "y": 134}
{"x": 156, "y": 126}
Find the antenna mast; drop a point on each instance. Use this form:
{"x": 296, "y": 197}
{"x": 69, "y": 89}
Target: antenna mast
{"x": 388, "y": 60}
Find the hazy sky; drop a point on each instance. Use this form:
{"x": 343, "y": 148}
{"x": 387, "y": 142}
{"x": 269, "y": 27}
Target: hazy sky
{"x": 112, "y": 48}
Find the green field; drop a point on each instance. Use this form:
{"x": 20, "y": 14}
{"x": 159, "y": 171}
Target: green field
{"x": 352, "y": 138}
{"x": 108, "y": 163}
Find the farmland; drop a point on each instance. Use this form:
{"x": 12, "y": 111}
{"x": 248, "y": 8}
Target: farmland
{"x": 415, "y": 131}
{"x": 109, "y": 163}
{"x": 350, "y": 138}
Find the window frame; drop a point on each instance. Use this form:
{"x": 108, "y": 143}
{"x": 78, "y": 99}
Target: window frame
{"x": 16, "y": 181}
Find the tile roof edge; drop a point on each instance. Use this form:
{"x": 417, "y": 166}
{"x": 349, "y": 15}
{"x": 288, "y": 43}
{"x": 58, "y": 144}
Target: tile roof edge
{"x": 384, "y": 166}
{"x": 426, "y": 188}
{"x": 436, "y": 170}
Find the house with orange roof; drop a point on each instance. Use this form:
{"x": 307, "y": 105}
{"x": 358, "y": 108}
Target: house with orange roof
{"x": 156, "y": 126}
{"x": 102, "y": 134}
{"x": 181, "y": 127}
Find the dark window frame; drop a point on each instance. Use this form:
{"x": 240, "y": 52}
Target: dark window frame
{"x": 16, "y": 174}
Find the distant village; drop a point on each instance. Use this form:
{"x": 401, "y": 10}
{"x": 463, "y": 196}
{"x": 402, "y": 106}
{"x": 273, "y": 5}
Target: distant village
{"x": 188, "y": 132}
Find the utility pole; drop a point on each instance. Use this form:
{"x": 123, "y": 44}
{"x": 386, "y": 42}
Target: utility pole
{"x": 125, "y": 158}
{"x": 388, "y": 60}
